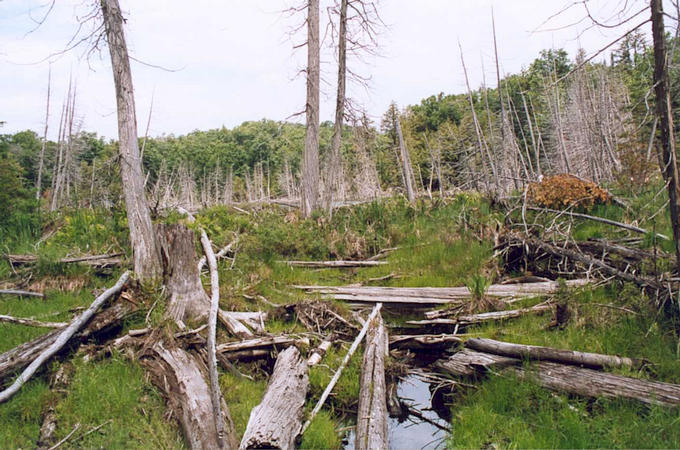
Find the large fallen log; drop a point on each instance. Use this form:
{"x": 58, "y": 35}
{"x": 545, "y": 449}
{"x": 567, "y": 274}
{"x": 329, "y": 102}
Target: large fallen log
{"x": 333, "y": 264}
{"x": 470, "y": 319}
{"x": 180, "y": 377}
{"x": 534, "y": 352}
{"x": 63, "y": 337}
{"x": 371, "y": 431}
{"x": 564, "y": 378}
{"x": 264, "y": 342}
{"x": 433, "y": 296}
{"x": 98, "y": 261}
{"x": 277, "y": 420}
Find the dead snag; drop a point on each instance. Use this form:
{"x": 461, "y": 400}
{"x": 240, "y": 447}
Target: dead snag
{"x": 371, "y": 432}
{"x": 592, "y": 360}
{"x": 180, "y": 376}
{"x": 63, "y": 337}
{"x": 277, "y": 420}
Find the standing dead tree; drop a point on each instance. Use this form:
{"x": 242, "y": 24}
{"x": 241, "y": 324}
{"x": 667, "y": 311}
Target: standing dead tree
{"x": 147, "y": 262}
{"x": 310, "y": 166}
{"x": 38, "y": 182}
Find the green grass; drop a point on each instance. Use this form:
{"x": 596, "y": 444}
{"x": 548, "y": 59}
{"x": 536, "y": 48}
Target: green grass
{"x": 20, "y": 417}
{"x": 241, "y": 395}
{"x": 321, "y": 433}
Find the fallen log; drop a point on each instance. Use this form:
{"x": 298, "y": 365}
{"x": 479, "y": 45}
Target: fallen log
{"x": 333, "y": 264}
{"x": 261, "y": 343}
{"x": 343, "y": 364}
{"x": 428, "y": 342}
{"x": 31, "y": 322}
{"x": 433, "y": 296}
{"x": 470, "y": 319}
{"x": 21, "y": 293}
{"x": 63, "y": 337}
{"x": 319, "y": 352}
{"x": 179, "y": 376}
{"x": 534, "y": 352}
{"x": 564, "y": 378}
{"x": 98, "y": 261}
{"x": 277, "y": 420}
{"x": 371, "y": 431}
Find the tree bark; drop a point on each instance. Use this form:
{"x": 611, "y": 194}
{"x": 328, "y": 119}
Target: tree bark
{"x": 371, "y": 432}
{"x": 277, "y": 420}
{"x": 333, "y": 168}
{"x": 310, "y": 167}
{"x": 146, "y": 256}
{"x": 668, "y": 157}
{"x": 534, "y": 352}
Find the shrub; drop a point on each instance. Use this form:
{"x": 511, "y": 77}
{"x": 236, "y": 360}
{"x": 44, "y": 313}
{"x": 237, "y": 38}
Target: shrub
{"x": 564, "y": 190}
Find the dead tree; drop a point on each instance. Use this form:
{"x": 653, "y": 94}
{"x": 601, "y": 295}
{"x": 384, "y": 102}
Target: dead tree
{"x": 310, "y": 167}
{"x": 668, "y": 157}
{"x": 407, "y": 169}
{"x": 38, "y": 183}
{"x": 147, "y": 263}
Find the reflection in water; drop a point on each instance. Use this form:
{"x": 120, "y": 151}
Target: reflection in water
{"x": 413, "y": 433}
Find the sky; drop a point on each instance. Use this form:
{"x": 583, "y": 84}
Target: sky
{"x": 212, "y": 63}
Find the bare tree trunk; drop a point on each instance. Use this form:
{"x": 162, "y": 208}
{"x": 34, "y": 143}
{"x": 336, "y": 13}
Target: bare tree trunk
{"x": 146, "y": 257}
{"x": 310, "y": 167}
{"x": 669, "y": 166}
{"x": 409, "y": 178}
{"x": 38, "y": 183}
{"x": 334, "y": 160}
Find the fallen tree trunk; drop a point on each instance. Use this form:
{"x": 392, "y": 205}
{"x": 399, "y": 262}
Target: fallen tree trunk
{"x": 179, "y": 376}
{"x": 343, "y": 364}
{"x": 470, "y": 319}
{"x": 31, "y": 322}
{"x": 277, "y": 420}
{"x": 63, "y": 337}
{"x": 333, "y": 264}
{"x": 564, "y": 378}
{"x": 261, "y": 343}
{"x": 371, "y": 431}
{"x": 534, "y": 352}
{"x": 98, "y": 261}
{"x": 433, "y": 296}
{"x": 427, "y": 342}
{"x": 21, "y": 293}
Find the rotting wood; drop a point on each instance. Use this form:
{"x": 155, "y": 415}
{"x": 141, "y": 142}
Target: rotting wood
{"x": 470, "y": 319}
{"x": 21, "y": 293}
{"x": 31, "y": 322}
{"x": 261, "y": 343}
{"x": 564, "y": 378}
{"x": 427, "y": 342}
{"x": 319, "y": 352}
{"x": 97, "y": 261}
{"x": 21, "y": 356}
{"x": 179, "y": 376}
{"x": 371, "y": 431}
{"x": 63, "y": 338}
{"x": 534, "y": 352}
{"x": 343, "y": 364}
{"x": 333, "y": 264}
{"x": 277, "y": 420}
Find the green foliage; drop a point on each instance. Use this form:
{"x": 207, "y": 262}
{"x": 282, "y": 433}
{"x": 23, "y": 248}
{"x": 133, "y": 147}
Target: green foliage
{"x": 477, "y": 285}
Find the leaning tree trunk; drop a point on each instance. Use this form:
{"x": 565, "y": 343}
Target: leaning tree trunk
{"x": 333, "y": 168}
{"x": 147, "y": 263}
{"x": 668, "y": 157}
{"x": 310, "y": 167}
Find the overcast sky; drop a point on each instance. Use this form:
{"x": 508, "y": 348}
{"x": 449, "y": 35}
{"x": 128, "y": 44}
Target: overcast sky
{"x": 232, "y": 60}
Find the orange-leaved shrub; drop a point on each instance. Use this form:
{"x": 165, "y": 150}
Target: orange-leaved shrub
{"x": 564, "y": 190}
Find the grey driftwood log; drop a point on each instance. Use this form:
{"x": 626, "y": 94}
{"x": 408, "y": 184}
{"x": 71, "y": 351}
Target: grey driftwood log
{"x": 277, "y": 420}
{"x": 371, "y": 431}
